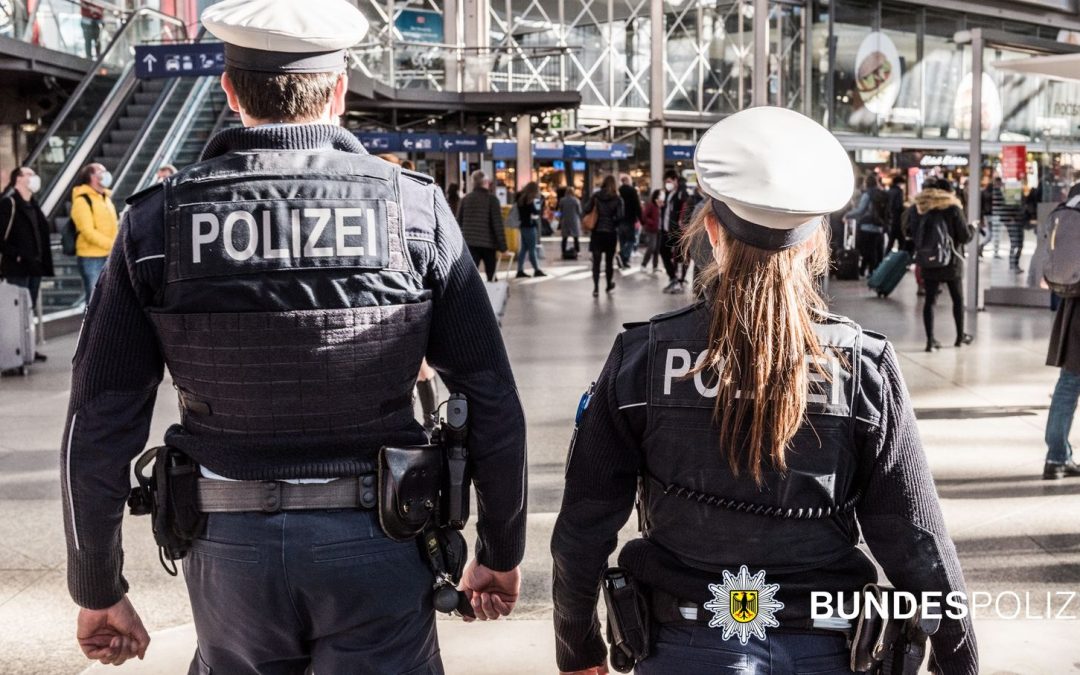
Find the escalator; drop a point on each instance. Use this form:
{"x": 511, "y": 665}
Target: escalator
{"x": 131, "y": 127}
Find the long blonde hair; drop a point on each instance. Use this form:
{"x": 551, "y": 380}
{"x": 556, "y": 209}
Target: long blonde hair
{"x": 761, "y": 334}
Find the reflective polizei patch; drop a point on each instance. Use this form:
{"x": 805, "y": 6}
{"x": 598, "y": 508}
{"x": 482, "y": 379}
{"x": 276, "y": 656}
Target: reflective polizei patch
{"x": 245, "y": 237}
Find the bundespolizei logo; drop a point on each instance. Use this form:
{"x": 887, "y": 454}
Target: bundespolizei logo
{"x": 744, "y": 605}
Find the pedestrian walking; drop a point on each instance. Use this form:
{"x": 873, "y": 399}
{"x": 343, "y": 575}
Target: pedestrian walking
{"x": 754, "y": 473}
{"x": 569, "y": 207}
{"x": 671, "y": 225}
{"x": 604, "y": 239}
{"x": 295, "y": 374}
{"x": 1010, "y": 217}
{"x": 25, "y": 253}
{"x": 630, "y": 219}
{"x": 871, "y": 217}
{"x": 939, "y": 233}
{"x": 453, "y": 197}
{"x": 480, "y": 216}
{"x": 650, "y": 228}
{"x": 530, "y": 207}
{"x": 897, "y": 199}
{"x": 94, "y": 216}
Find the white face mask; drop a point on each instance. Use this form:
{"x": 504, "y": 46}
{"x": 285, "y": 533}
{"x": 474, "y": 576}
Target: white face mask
{"x": 669, "y": 186}
{"x": 33, "y": 184}
{"x": 106, "y": 180}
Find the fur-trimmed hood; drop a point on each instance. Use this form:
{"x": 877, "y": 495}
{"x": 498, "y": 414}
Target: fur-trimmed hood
{"x": 932, "y": 199}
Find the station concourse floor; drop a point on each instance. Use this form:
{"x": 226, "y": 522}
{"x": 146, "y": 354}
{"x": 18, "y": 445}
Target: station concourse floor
{"x": 982, "y": 413}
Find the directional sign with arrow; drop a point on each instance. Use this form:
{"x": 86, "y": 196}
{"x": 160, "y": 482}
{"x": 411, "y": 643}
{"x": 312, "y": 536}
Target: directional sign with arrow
{"x": 180, "y": 60}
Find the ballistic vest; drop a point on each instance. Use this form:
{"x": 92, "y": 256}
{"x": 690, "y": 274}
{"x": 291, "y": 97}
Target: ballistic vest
{"x": 690, "y": 501}
{"x": 290, "y": 307}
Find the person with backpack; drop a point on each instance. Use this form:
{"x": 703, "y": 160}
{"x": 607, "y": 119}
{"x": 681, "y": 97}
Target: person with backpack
{"x": 938, "y": 232}
{"x": 94, "y": 216}
{"x": 871, "y": 218}
{"x": 1064, "y": 348}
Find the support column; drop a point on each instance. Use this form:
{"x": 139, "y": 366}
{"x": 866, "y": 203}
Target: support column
{"x": 524, "y": 151}
{"x": 656, "y": 94}
{"x": 972, "y": 301}
{"x": 452, "y": 36}
{"x": 760, "y": 94}
{"x": 476, "y": 33}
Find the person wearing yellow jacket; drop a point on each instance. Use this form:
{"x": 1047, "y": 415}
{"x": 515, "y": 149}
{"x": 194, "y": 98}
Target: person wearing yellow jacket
{"x": 94, "y": 215}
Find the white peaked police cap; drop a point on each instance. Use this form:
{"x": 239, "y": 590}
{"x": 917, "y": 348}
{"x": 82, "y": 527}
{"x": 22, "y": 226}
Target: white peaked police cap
{"x": 286, "y": 36}
{"x": 772, "y": 173}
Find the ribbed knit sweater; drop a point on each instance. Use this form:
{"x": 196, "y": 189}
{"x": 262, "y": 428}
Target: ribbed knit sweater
{"x": 119, "y": 364}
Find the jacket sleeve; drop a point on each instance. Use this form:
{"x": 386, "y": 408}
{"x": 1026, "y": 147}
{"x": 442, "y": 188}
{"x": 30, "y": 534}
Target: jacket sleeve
{"x": 466, "y": 348}
{"x": 601, "y": 479}
{"x": 962, "y": 231}
{"x": 115, "y": 376}
{"x": 84, "y": 218}
{"x": 7, "y": 226}
{"x": 497, "y": 223}
{"x": 901, "y": 520}
{"x": 862, "y": 210}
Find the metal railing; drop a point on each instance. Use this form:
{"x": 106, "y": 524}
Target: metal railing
{"x": 78, "y": 126}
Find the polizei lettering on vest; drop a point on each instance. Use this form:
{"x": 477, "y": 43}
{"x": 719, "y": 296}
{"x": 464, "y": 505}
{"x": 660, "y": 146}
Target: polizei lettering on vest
{"x": 355, "y": 233}
{"x": 677, "y": 367}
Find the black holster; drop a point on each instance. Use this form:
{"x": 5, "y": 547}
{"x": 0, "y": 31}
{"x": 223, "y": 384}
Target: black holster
{"x": 627, "y": 619}
{"x": 169, "y": 495}
{"x": 890, "y": 646}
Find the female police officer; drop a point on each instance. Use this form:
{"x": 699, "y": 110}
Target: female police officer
{"x": 754, "y": 428}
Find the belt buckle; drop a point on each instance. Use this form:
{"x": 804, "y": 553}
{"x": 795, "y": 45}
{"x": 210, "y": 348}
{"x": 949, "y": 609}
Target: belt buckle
{"x": 271, "y": 499}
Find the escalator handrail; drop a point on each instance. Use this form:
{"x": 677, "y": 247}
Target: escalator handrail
{"x": 84, "y": 84}
{"x": 178, "y": 130}
{"x": 148, "y": 124}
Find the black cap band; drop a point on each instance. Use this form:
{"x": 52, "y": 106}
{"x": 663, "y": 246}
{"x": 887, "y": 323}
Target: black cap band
{"x": 759, "y": 236}
{"x": 265, "y": 61}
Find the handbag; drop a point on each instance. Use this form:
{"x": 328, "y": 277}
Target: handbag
{"x": 588, "y": 221}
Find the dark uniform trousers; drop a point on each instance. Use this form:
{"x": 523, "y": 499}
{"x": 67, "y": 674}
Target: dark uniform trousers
{"x": 698, "y": 649}
{"x": 344, "y": 597}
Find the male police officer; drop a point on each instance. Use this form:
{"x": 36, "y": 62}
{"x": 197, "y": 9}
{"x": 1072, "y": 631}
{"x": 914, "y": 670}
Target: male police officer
{"x": 292, "y": 284}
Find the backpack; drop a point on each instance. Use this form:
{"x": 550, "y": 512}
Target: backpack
{"x": 933, "y": 243}
{"x": 69, "y": 235}
{"x": 880, "y": 207}
{"x": 513, "y": 219}
{"x": 1062, "y": 268}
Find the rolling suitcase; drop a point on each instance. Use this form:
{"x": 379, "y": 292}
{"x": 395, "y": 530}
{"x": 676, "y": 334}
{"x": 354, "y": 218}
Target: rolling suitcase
{"x": 17, "y": 347}
{"x": 847, "y": 261}
{"x": 889, "y": 273}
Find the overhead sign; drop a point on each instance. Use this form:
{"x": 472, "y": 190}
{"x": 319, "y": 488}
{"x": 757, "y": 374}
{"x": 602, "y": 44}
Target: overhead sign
{"x": 393, "y": 141}
{"x": 416, "y": 25}
{"x": 574, "y": 150}
{"x": 194, "y": 60}
{"x": 601, "y": 151}
{"x": 546, "y": 150}
{"x": 676, "y": 152}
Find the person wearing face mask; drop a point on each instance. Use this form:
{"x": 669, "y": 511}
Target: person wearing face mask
{"x": 671, "y": 225}
{"x": 25, "y": 255}
{"x": 94, "y": 215}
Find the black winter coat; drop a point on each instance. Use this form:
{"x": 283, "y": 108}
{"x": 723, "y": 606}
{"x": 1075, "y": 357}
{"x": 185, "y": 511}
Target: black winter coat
{"x": 24, "y": 238}
{"x": 631, "y": 205}
{"x": 1064, "y": 351}
{"x": 934, "y": 203}
{"x": 609, "y": 211}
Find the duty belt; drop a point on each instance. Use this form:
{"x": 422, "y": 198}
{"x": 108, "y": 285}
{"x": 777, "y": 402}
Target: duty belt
{"x": 667, "y": 609}
{"x": 225, "y": 496}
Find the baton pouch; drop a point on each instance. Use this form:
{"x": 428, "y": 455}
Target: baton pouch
{"x": 172, "y": 493}
{"x": 409, "y": 480}
{"x": 627, "y": 619}
{"x": 889, "y": 645}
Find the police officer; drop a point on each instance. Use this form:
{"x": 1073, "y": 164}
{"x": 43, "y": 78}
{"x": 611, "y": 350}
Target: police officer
{"x": 292, "y": 284}
{"x": 760, "y": 427}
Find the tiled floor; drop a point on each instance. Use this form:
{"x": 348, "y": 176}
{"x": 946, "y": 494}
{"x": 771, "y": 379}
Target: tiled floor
{"x": 982, "y": 412}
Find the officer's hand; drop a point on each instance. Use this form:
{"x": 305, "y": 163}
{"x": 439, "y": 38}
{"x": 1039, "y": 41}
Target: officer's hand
{"x": 595, "y": 670}
{"x": 112, "y": 635}
{"x": 492, "y": 594}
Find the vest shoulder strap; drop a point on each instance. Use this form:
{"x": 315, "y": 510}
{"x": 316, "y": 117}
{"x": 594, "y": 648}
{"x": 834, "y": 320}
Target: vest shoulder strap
{"x": 421, "y": 178}
{"x": 143, "y": 194}
{"x": 674, "y": 314}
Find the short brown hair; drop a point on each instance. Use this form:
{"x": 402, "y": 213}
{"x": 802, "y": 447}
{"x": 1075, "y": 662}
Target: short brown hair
{"x": 282, "y": 96}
